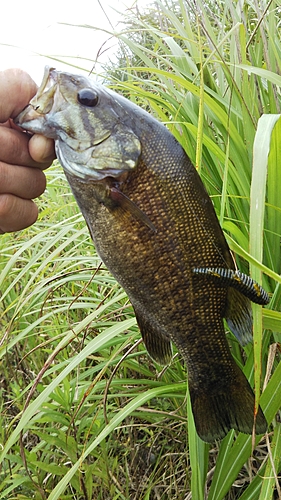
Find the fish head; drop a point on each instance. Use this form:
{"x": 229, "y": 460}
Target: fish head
{"x": 92, "y": 132}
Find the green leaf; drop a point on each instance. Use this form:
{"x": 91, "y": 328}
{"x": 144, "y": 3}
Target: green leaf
{"x": 198, "y": 452}
{"x": 257, "y": 203}
{"x": 270, "y": 478}
{"x": 263, "y": 73}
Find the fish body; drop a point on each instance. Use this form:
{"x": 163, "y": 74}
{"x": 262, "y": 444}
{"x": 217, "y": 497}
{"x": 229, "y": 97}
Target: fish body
{"x": 154, "y": 226}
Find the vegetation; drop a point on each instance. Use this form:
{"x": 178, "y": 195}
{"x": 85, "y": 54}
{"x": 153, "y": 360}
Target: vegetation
{"x": 84, "y": 413}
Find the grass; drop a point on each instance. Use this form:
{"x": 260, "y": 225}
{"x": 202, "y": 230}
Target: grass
{"x": 84, "y": 412}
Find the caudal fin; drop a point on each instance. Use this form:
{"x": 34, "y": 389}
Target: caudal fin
{"x": 217, "y": 410}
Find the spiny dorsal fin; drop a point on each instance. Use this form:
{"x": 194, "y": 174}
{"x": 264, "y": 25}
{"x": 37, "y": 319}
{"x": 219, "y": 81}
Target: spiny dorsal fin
{"x": 235, "y": 279}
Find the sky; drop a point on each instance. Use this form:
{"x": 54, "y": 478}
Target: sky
{"x": 29, "y": 30}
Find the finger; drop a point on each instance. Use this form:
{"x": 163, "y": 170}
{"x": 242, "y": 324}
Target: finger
{"x": 16, "y": 213}
{"x": 16, "y": 90}
{"x": 21, "y": 181}
{"x": 42, "y": 150}
{"x": 14, "y": 149}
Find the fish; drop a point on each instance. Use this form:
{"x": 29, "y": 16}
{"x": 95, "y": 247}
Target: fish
{"x": 154, "y": 226}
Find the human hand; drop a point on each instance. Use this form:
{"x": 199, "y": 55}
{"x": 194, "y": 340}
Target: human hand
{"x": 22, "y": 158}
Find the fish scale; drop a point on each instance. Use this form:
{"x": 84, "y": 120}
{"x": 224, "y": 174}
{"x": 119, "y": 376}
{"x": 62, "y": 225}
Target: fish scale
{"x": 154, "y": 226}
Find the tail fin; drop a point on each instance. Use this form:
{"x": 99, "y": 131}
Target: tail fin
{"x": 220, "y": 409}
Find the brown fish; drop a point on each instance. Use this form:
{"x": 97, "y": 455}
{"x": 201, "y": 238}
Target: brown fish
{"x": 154, "y": 226}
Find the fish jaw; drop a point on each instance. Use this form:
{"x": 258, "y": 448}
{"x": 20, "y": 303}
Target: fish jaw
{"x": 32, "y": 121}
{"x": 92, "y": 142}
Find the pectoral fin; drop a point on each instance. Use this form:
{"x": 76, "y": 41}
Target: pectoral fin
{"x": 235, "y": 279}
{"x": 158, "y": 345}
{"x": 121, "y": 200}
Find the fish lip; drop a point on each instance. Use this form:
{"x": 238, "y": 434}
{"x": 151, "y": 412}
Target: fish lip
{"x": 50, "y": 78}
{"x": 30, "y": 121}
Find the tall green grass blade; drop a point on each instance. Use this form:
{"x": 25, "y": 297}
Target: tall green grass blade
{"x": 243, "y": 253}
{"x": 270, "y": 478}
{"x": 271, "y": 320}
{"x": 198, "y": 161}
{"x": 273, "y": 205}
{"x": 257, "y": 207}
{"x": 198, "y": 452}
{"x": 263, "y": 73}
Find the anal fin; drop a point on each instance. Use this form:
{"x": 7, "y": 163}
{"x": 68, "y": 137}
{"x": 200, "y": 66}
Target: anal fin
{"x": 158, "y": 345}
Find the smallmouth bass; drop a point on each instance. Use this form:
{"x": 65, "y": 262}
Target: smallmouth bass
{"x": 155, "y": 228}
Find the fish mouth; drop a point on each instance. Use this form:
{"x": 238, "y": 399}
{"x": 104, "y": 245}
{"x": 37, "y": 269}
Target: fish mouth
{"x": 33, "y": 117}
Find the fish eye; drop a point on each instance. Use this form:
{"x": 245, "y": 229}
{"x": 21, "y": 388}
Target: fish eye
{"x": 88, "y": 97}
